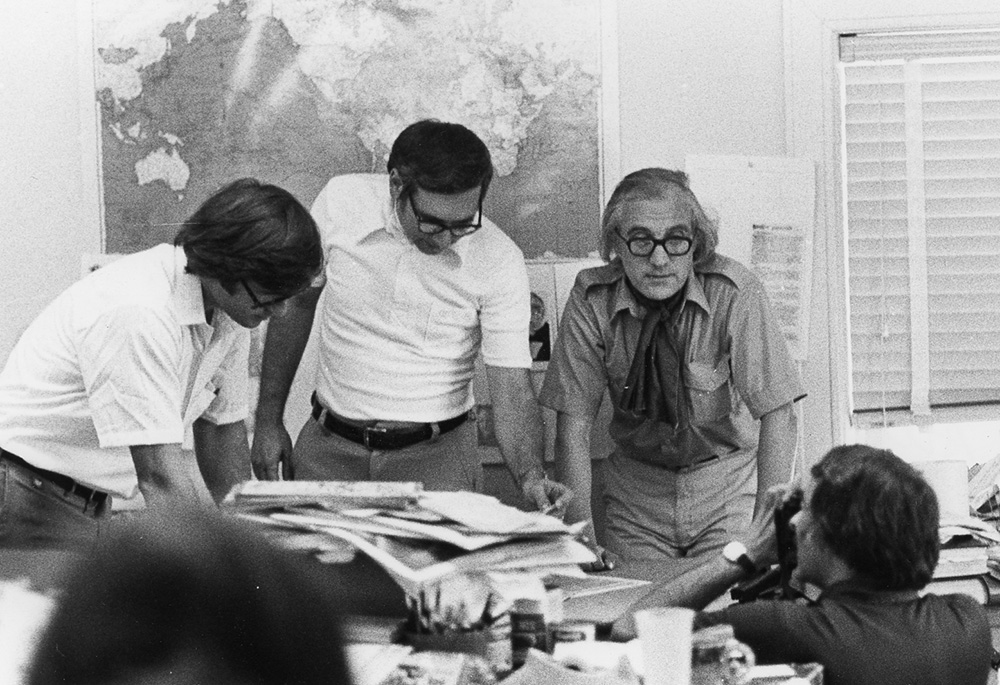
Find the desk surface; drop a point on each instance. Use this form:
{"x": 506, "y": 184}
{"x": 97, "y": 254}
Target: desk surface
{"x": 608, "y": 607}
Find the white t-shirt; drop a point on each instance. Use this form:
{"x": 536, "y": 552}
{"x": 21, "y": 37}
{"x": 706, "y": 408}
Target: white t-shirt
{"x": 122, "y": 357}
{"x": 400, "y": 329}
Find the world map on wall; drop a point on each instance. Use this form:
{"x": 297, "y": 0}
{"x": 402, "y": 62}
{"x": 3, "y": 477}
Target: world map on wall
{"x": 195, "y": 93}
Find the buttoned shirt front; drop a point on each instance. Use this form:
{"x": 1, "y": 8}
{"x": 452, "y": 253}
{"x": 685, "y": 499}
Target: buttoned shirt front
{"x": 123, "y": 357}
{"x": 400, "y": 329}
{"x": 736, "y": 363}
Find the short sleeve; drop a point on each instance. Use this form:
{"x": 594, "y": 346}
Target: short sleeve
{"x": 763, "y": 370}
{"x": 232, "y": 379}
{"x": 576, "y": 377}
{"x": 505, "y": 312}
{"x": 130, "y": 359}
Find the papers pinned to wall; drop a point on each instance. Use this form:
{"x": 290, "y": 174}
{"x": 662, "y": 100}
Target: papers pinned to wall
{"x": 765, "y": 207}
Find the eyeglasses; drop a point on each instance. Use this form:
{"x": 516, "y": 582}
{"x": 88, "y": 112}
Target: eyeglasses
{"x": 257, "y": 303}
{"x": 433, "y": 226}
{"x": 643, "y": 245}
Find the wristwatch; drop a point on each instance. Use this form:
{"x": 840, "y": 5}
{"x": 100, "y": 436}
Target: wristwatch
{"x": 736, "y": 553}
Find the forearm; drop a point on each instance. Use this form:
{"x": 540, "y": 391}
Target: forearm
{"x": 521, "y": 441}
{"x": 776, "y": 449}
{"x": 517, "y": 422}
{"x": 286, "y": 340}
{"x": 573, "y": 464}
{"x": 693, "y": 589}
{"x": 169, "y": 476}
{"x": 223, "y": 455}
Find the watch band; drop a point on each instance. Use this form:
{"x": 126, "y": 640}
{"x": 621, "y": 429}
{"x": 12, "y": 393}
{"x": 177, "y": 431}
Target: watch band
{"x": 736, "y": 553}
{"x": 746, "y": 563}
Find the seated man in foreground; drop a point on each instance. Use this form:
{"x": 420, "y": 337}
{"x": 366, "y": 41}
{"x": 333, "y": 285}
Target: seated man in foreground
{"x": 867, "y": 537}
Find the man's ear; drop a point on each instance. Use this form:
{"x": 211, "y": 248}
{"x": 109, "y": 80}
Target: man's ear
{"x": 395, "y": 184}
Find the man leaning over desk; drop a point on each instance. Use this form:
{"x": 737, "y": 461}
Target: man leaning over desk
{"x": 417, "y": 283}
{"x": 141, "y": 358}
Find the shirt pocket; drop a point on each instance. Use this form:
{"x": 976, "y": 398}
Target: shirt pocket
{"x": 450, "y": 325}
{"x": 709, "y": 390}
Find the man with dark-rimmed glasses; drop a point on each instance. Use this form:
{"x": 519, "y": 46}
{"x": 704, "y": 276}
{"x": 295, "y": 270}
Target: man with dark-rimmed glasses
{"x": 417, "y": 283}
{"x": 698, "y": 372}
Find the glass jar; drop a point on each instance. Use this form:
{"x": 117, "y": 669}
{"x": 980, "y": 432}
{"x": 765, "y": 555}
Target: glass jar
{"x": 718, "y": 658}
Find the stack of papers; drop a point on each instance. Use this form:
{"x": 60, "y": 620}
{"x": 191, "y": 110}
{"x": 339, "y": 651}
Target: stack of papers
{"x": 419, "y": 537}
{"x": 263, "y": 494}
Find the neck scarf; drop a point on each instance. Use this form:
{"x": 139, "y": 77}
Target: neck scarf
{"x": 654, "y": 387}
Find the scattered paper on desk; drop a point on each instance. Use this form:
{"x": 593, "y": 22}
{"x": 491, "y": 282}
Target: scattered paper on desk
{"x": 330, "y": 493}
{"x": 371, "y": 664}
{"x": 615, "y": 669}
{"x": 437, "y": 535}
{"x": 487, "y": 514}
{"x": 772, "y": 671}
{"x": 970, "y": 526}
{"x": 583, "y": 586}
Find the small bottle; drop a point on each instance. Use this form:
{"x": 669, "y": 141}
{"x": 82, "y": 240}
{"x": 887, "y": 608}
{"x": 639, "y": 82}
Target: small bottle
{"x": 527, "y": 629}
{"x": 718, "y": 658}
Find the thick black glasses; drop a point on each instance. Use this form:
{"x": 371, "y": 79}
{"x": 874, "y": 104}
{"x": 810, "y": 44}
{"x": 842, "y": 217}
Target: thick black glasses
{"x": 257, "y": 304}
{"x": 432, "y": 226}
{"x": 643, "y": 246}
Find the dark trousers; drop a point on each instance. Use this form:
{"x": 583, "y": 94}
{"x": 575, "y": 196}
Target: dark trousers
{"x": 37, "y": 513}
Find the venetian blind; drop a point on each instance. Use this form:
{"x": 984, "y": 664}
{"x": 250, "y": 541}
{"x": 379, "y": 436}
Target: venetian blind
{"x": 921, "y": 172}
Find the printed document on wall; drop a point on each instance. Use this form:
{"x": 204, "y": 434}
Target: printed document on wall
{"x": 765, "y": 209}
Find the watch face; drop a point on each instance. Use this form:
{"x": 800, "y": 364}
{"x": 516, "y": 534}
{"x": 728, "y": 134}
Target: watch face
{"x": 734, "y": 550}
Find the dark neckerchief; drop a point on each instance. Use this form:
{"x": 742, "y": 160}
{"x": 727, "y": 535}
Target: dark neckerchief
{"x": 654, "y": 387}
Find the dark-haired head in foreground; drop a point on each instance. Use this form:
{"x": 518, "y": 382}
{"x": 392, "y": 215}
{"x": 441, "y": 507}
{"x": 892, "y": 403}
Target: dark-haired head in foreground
{"x": 192, "y": 597}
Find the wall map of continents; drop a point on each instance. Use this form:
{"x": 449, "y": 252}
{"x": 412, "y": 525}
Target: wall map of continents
{"x": 195, "y": 93}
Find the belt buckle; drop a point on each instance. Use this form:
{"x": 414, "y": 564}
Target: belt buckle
{"x": 368, "y": 430}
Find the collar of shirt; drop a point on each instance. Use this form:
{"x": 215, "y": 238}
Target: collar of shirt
{"x": 621, "y": 298}
{"x": 868, "y": 591}
{"x": 187, "y": 293}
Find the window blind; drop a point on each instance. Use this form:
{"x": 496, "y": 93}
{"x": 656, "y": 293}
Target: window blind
{"x": 921, "y": 174}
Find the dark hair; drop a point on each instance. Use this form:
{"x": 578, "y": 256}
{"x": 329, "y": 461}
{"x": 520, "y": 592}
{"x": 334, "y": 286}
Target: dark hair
{"x": 254, "y": 232}
{"x": 441, "y": 157}
{"x": 653, "y": 183}
{"x": 878, "y": 514}
{"x": 192, "y": 583}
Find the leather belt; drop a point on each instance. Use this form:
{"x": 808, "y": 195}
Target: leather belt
{"x": 683, "y": 468}
{"x": 67, "y": 484}
{"x": 375, "y": 437}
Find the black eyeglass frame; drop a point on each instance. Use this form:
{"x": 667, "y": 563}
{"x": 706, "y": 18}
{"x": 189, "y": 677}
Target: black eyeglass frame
{"x": 662, "y": 242}
{"x": 439, "y": 227}
{"x": 257, "y": 303}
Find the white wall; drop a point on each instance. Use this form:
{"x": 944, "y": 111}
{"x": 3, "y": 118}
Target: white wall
{"x": 700, "y": 78}
{"x": 45, "y": 221}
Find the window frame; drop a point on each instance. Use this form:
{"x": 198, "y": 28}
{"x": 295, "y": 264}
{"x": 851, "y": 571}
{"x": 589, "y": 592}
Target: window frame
{"x": 811, "y": 46}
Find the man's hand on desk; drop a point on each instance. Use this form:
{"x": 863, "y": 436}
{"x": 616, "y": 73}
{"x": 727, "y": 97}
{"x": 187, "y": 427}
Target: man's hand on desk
{"x": 272, "y": 449}
{"x": 606, "y": 560}
{"x": 547, "y": 496}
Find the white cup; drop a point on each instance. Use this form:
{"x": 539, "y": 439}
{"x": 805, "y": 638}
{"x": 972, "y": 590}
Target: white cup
{"x": 665, "y": 636}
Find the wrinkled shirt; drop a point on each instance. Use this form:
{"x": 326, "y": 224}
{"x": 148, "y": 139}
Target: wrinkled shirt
{"x": 736, "y": 362}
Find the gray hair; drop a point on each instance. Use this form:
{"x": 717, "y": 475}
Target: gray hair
{"x": 651, "y": 184}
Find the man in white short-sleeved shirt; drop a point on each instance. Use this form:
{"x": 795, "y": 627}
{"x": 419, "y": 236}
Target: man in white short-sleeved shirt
{"x": 121, "y": 376}
{"x": 418, "y": 282}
